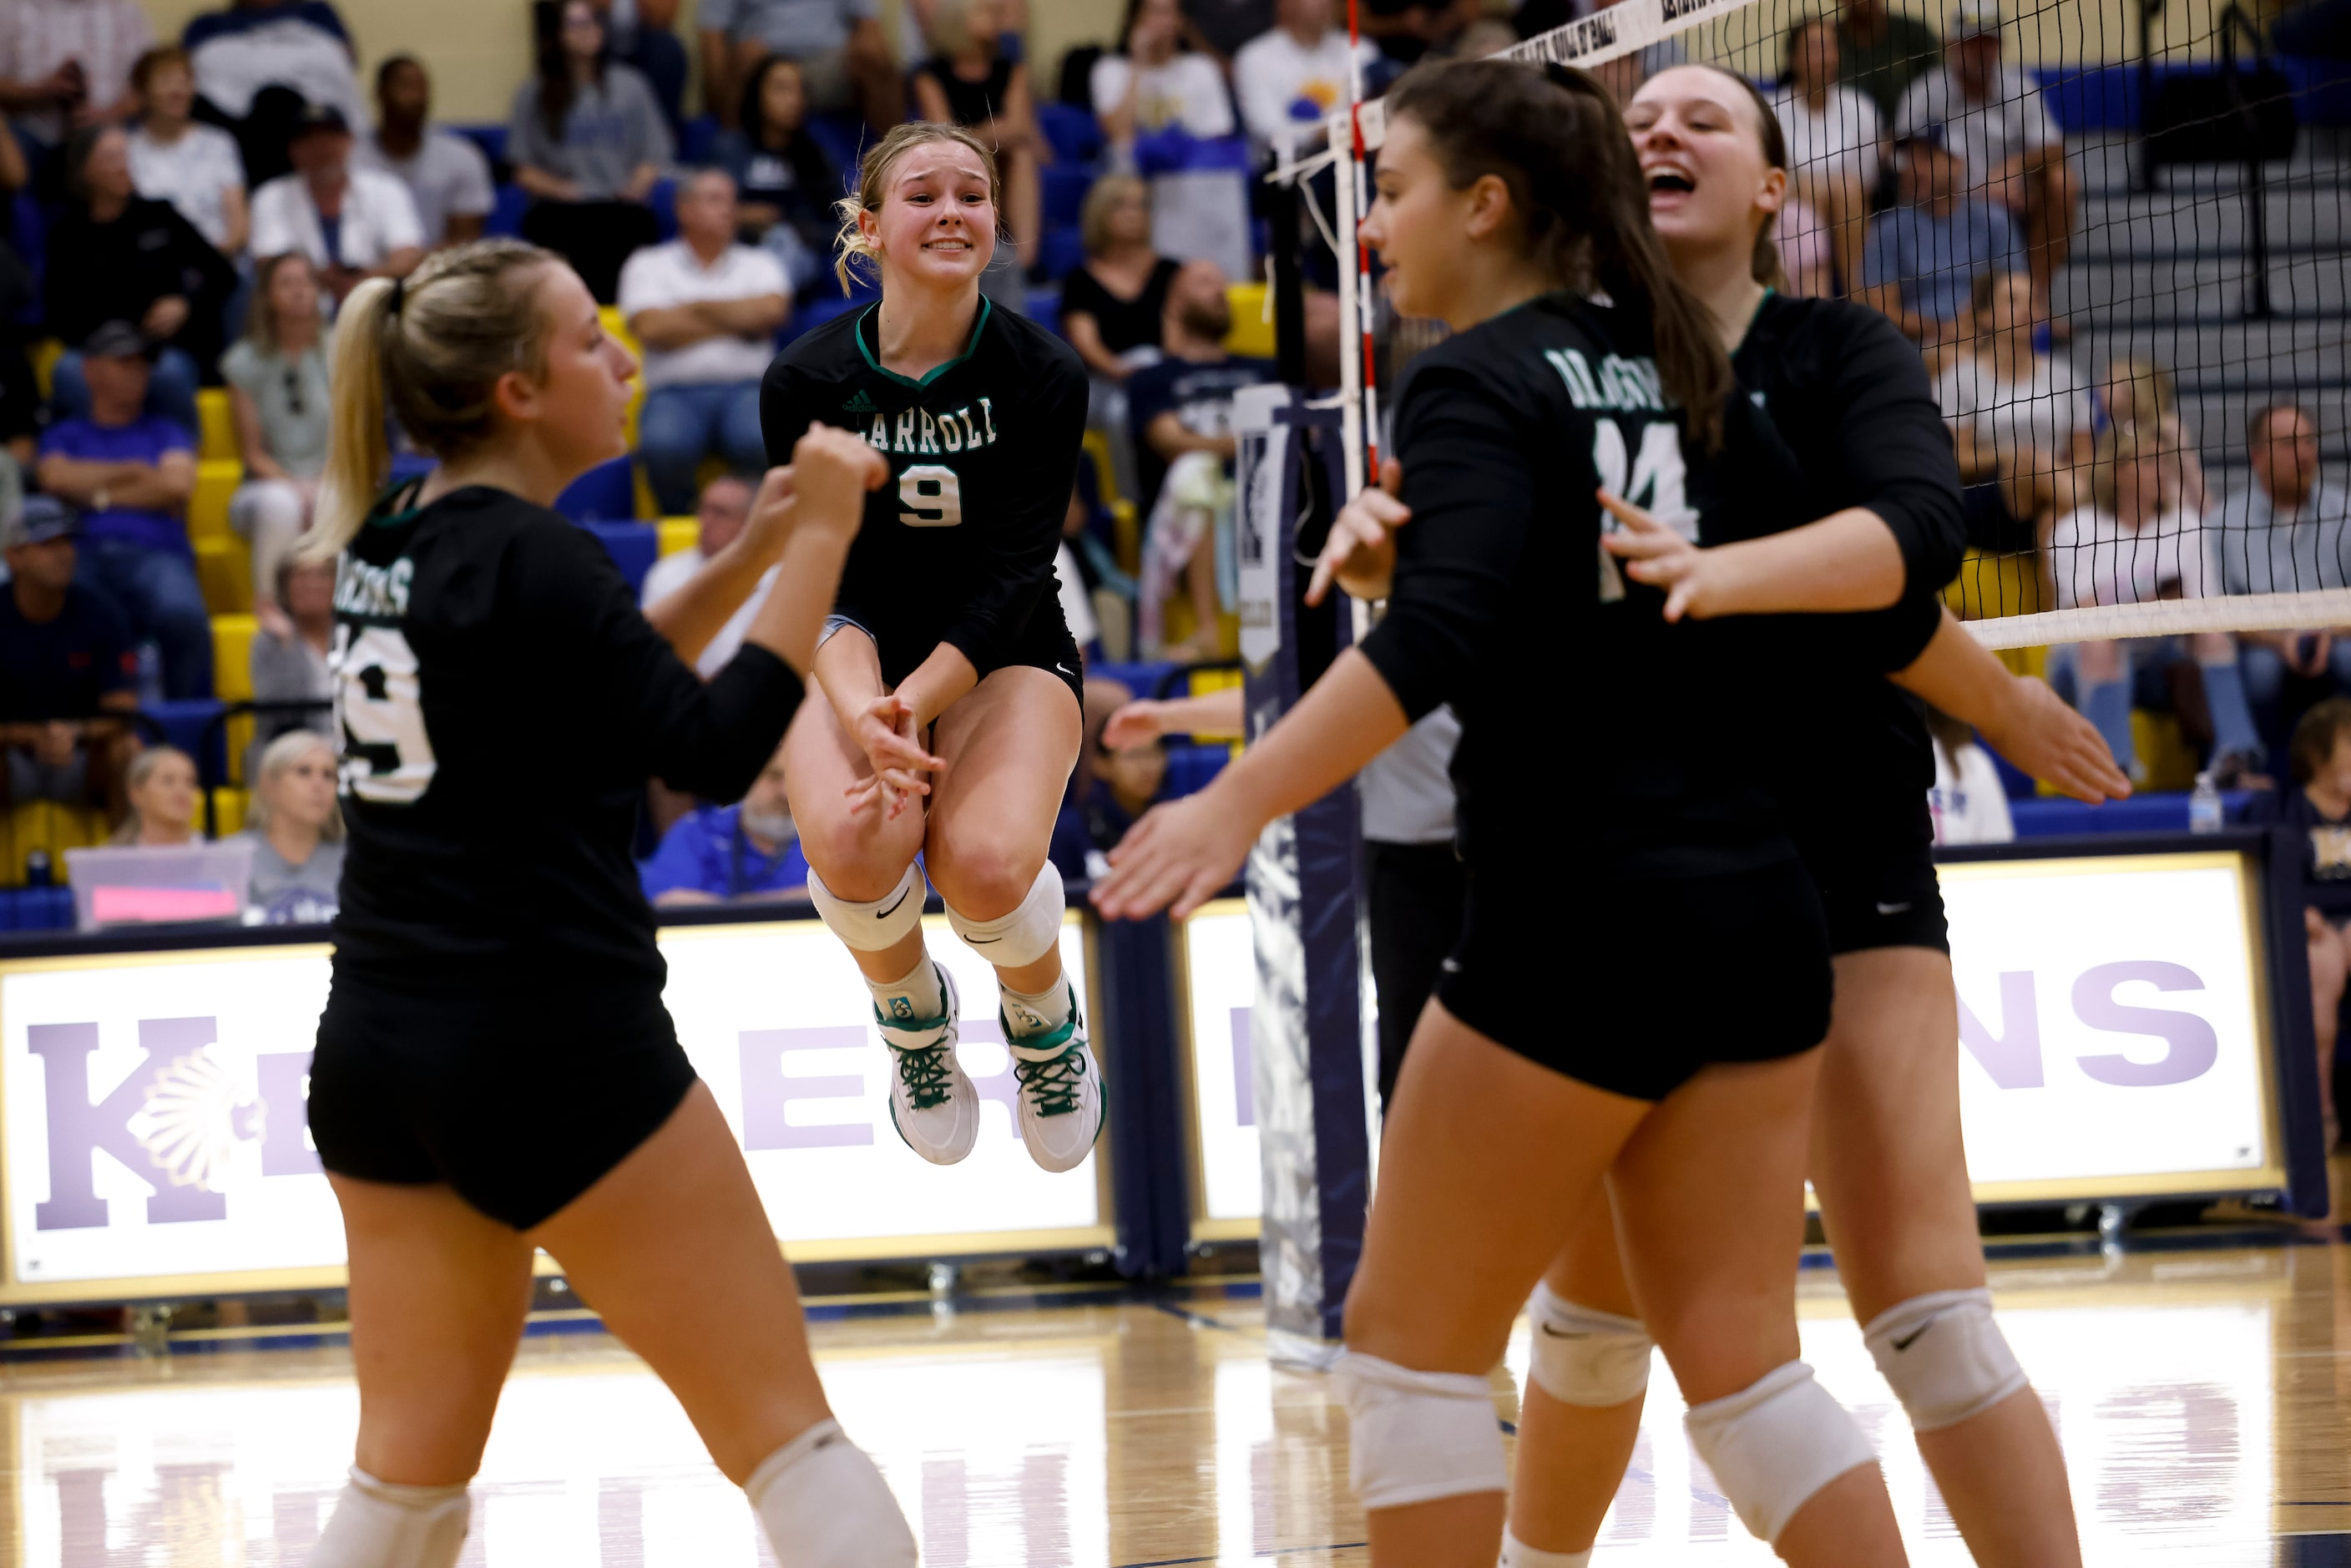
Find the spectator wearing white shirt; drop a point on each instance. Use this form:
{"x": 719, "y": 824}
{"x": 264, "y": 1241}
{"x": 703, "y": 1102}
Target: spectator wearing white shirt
{"x": 706, "y": 309}
{"x": 1997, "y": 119}
{"x": 2019, "y": 416}
{"x": 447, "y": 177}
{"x": 64, "y": 64}
{"x": 2128, "y": 547}
{"x": 353, "y": 224}
{"x": 725, "y": 507}
{"x": 1151, "y": 86}
{"x": 1967, "y": 803}
{"x": 2287, "y": 532}
{"x": 176, "y": 159}
{"x": 1289, "y": 79}
{"x": 1835, "y": 140}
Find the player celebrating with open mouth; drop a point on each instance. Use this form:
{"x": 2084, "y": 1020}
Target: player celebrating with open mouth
{"x": 951, "y": 719}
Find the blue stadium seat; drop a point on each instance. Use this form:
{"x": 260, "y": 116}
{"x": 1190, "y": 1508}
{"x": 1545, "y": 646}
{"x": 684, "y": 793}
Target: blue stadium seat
{"x": 407, "y": 465}
{"x": 1061, "y": 251}
{"x": 1191, "y": 765}
{"x": 662, "y": 200}
{"x": 36, "y": 909}
{"x": 605, "y": 494}
{"x": 1075, "y": 135}
{"x": 842, "y": 136}
{"x": 1142, "y": 679}
{"x": 808, "y": 315}
{"x": 29, "y": 234}
{"x": 505, "y": 217}
{"x": 1045, "y": 307}
{"x": 1064, "y": 189}
{"x": 696, "y": 138}
{"x": 185, "y": 722}
{"x": 490, "y": 138}
{"x": 634, "y": 546}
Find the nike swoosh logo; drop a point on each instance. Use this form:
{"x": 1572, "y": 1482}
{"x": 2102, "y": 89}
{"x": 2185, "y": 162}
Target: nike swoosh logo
{"x": 982, "y": 941}
{"x": 1065, "y": 669}
{"x": 1893, "y": 908}
{"x": 1922, "y": 1328}
{"x": 894, "y": 907}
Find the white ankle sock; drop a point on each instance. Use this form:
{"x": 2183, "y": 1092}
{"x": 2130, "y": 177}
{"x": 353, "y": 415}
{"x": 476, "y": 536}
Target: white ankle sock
{"x": 1517, "y": 1554}
{"x": 1041, "y": 1013}
{"x": 912, "y": 995}
{"x": 378, "y": 1524}
{"x": 824, "y": 1505}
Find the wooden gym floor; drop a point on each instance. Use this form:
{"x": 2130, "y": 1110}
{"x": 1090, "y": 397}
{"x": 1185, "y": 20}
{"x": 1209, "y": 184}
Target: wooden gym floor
{"x": 2200, "y": 1386}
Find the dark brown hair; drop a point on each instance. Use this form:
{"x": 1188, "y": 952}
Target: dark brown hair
{"x": 143, "y": 69}
{"x": 2316, "y": 735}
{"x": 1554, "y": 139}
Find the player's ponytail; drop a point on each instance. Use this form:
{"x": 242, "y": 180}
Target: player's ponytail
{"x": 1554, "y": 138}
{"x": 427, "y": 350}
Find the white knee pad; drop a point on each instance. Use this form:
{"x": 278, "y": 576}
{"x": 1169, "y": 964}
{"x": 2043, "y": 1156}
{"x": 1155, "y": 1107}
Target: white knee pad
{"x": 1945, "y": 1356}
{"x": 824, "y": 1505}
{"x": 1417, "y": 1436}
{"x": 1774, "y": 1444}
{"x": 1517, "y": 1554}
{"x": 870, "y": 927}
{"x": 377, "y": 1524}
{"x": 1586, "y": 1357}
{"x": 1026, "y": 934}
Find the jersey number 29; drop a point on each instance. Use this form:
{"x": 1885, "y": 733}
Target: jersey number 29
{"x": 930, "y": 497}
{"x": 387, "y": 756}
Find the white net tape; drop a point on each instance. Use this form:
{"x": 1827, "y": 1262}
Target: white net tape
{"x": 2167, "y": 618}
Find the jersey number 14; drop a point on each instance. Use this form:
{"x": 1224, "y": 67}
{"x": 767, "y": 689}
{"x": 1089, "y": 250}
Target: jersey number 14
{"x": 1652, "y": 479}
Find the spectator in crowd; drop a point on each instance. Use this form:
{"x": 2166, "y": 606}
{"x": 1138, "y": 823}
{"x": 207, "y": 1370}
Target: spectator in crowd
{"x": 2124, "y": 547}
{"x": 707, "y": 308}
{"x": 588, "y": 143}
{"x": 1834, "y": 137}
{"x": 785, "y": 183}
{"x": 1114, "y": 304}
{"x": 1410, "y": 30}
{"x": 1223, "y": 28}
{"x": 971, "y": 82}
{"x": 1996, "y": 119}
{"x": 1181, "y": 412}
{"x": 161, "y": 785}
{"x": 447, "y": 177}
{"x": 1882, "y": 51}
{"x": 644, "y": 34}
{"x": 132, "y": 473}
{"x": 260, "y": 62}
{"x": 20, "y": 421}
{"x": 289, "y": 659}
{"x": 1925, "y": 253}
{"x": 277, "y": 376}
{"x": 66, "y": 64}
{"x": 66, "y": 669}
{"x": 2018, "y": 415}
{"x": 353, "y": 224}
{"x": 719, "y": 516}
{"x": 1967, "y": 803}
{"x": 1152, "y": 85}
{"x": 117, "y": 256}
{"x": 2319, "y": 810}
{"x": 731, "y": 853}
{"x": 1801, "y": 235}
{"x": 297, "y": 831}
{"x": 1094, "y": 592}
{"x": 2139, "y": 391}
{"x": 844, "y": 58}
{"x": 1289, "y": 79}
{"x": 2287, "y": 532}
{"x": 1126, "y": 783}
{"x": 176, "y": 159}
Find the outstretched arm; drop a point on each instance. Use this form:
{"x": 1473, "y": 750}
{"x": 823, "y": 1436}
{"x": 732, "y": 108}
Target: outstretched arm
{"x": 2022, "y": 718}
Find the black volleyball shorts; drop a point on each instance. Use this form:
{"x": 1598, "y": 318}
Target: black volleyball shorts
{"x": 519, "y": 1100}
{"x": 1636, "y": 989}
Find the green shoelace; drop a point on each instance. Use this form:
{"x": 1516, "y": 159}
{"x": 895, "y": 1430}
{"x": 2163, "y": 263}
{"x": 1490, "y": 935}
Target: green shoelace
{"x": 924, "y": 1075}
{"x": 1052, "y": 1085}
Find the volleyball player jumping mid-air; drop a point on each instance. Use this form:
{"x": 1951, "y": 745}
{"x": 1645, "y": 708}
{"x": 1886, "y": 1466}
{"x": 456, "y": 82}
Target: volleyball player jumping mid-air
{"x": 951, "y": 718}
{"x": 496, "y": 1072}
{"x": 1506, "y": 200}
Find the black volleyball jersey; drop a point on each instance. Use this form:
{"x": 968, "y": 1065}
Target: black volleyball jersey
{"x": 1843, "y": 398}
{"x": 958, "y": 547}
{"x": 501, "y": 702}
{"x": 1590, "y": 733}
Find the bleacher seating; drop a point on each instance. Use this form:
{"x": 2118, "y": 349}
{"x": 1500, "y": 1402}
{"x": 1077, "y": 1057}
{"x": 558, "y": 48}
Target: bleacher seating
{"x": 634, "y": 546}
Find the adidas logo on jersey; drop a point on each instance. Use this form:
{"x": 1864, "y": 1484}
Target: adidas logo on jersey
{"x": 859, "y": 404}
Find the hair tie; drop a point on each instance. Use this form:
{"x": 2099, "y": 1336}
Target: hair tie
{"x": 399, "y": 295}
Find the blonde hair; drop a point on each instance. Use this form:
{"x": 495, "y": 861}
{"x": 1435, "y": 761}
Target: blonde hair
{"x": 850, "y": 243}
{"x": 1093, "y": 218}
{"x": 428, "y": 350}
{"x": 276, "y": 758}
{"x": 2147, "y": 394}
{"x": 2120, "y": 445}
{"x": 134, "y": 778}
{"x": 261, "y": 320}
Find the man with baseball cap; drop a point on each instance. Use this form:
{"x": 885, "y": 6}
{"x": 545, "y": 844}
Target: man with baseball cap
{"x": 1996, "y": 122}
{"x": 66, "y": 668}
{"x": 352, "y": 223}
{"x": 1924, "y": 253}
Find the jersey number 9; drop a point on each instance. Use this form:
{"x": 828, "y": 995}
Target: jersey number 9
{"x": 930, "y": 497}
{"x": 387, "y": 756}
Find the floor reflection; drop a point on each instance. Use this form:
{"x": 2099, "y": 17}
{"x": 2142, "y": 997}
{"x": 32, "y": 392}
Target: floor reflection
{"x": 2200, "y": 1397}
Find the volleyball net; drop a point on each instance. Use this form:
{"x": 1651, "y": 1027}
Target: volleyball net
{"x": 2116, "y": 229}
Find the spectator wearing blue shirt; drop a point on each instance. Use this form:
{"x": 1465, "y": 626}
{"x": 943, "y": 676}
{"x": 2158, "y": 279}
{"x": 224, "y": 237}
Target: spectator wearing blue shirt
{"x": 66, "y": 670}
{"x": 132, "y": 473}
{"x": 1924, "y": 255}
{"x": 723, "y": 855}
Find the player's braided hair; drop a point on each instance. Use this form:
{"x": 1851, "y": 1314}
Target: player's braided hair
{"x": 850, "y": 243}
{"x": 429, "y": 348}
{"x": 1554, "y": 138}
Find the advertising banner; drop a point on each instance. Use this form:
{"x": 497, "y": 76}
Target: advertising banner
{"x": 2113, "y": 1027}
{"x": 151, "y": 1111}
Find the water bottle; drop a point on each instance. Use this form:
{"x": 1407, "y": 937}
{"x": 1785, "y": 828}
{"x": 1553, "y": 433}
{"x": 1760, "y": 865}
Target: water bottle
{"x": 2204, "y": 805}
{"x": 36, "y": 869}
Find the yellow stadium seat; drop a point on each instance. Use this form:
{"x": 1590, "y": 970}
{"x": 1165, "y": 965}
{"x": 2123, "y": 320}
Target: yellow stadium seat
{"x": 48, "y": 826}
{"x": 217, "y": 442}
{"x": 1126, "y": 526}
{"x": 233, "y": 657}
{"x": 616, "y": 326}
{"x": 1252, "y": 331}
{"x": 228, "y": 811}
{"x": 44, "y": 365}
{"x": 679, "y": 533}
{"x": 225, "y": 571}
{"x": 216, "y": 483}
